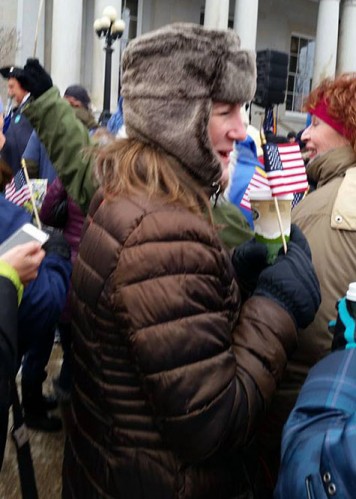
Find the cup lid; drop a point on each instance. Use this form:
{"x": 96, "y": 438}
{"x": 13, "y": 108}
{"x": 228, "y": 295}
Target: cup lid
{"x": 351, "y": 292}
{"x": 266, "y": 195}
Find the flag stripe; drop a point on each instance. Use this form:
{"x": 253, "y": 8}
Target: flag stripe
{"x": 259, "y": 180}
{"x": 289, "y": 157}
{"x": 293, "y": 164}
{"x": 287, "y": 180}
{"x": 282, "y": 174}
{"x": 245, "y": 203}
{"x": 288, "y": 148}
{"x": 281, "y": 190}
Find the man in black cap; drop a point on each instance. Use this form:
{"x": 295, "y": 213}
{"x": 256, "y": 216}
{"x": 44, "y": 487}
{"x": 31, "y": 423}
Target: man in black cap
{"x": 19, "y": 130}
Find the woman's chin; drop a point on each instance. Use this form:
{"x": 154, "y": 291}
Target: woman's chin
{"x": 224, "y": 161}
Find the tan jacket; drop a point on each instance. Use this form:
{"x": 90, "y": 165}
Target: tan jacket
{"x": 169, "y": 377}
{"x": 327, "y": 216}
{"x": 328, "y": 219}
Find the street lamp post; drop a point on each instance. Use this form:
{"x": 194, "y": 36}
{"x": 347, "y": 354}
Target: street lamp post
{"x": 110, "y": 28}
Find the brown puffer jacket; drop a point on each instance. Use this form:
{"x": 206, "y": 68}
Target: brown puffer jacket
{"x": 168, "y": 376}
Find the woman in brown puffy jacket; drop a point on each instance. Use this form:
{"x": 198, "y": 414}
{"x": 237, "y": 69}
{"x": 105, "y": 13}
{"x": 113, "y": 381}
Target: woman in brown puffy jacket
{"x": 170, "y": 371}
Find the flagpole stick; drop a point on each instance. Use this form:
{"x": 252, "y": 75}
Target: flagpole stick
{"x": 262, "y": 135}
{"x": 263, "y": 142}
{"x": 35, "y": 211}
{"x": 280, "y": 224}
{"x": 37, "y": 28}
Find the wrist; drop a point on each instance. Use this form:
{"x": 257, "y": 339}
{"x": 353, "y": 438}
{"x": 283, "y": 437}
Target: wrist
{"x": 276, "y": 295}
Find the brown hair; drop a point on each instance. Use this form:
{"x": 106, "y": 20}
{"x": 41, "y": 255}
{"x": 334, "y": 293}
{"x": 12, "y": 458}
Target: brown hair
{"x": 129, "y": 166}
{"x": 339, "y": 95}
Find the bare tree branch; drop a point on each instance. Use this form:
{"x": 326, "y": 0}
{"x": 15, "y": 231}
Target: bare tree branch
{"x": 9, "y": 42}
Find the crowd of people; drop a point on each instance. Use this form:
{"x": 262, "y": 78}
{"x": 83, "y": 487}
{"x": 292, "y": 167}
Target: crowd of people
{"x": 184, "y": 350}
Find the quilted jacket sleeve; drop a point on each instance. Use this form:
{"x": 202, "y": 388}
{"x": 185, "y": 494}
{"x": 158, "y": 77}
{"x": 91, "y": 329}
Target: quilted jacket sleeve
{"x": 206, "y": 374}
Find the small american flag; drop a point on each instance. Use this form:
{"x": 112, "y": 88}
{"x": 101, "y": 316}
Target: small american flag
{"x": 18, "y": 191}
{"x": 259, "y": 180}
{"x": 285, "y": 168}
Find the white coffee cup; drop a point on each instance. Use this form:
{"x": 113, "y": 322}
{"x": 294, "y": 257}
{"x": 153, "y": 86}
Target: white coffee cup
{"x": 265, "y": 219}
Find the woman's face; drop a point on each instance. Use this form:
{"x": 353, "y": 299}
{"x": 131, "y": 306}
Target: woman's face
{"x": 321, "y": 138}
{"x": 225, "y": 126}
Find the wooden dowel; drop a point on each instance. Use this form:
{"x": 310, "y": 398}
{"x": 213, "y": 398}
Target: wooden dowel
{"x": 280, "y": 224}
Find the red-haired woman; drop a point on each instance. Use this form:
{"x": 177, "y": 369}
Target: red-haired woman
{"x": 327, "y": 218}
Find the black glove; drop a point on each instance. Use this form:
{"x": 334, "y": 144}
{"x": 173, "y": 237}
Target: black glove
{"x": 37, "y": 80}
{"x": 249, "y": 259}
{"x": 57, "y": 244}
{"x": 292, "y": 283}
{"x": 297, "y": 236}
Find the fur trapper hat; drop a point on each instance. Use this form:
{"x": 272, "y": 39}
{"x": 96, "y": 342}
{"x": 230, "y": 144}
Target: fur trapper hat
{"x": 171, "y": 76}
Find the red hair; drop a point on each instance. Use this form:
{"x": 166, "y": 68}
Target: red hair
{"x": 337, "y": 98}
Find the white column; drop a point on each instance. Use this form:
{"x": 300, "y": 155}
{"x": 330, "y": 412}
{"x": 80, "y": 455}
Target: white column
{"x": 347, "y": 40}
{"x": 245, "y": 22}
{"x": 29, "y": 17}
{"x": 216, "y": 14}
{"x": 66, "y": 42}
{"x": 97, "y": 94}
{"x": 326, "y": 40}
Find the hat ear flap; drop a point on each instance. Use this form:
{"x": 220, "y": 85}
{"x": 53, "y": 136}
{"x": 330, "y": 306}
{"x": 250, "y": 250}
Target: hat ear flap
{"x": 180, "y": 128}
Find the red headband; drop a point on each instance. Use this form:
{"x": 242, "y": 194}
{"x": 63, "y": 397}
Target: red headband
{"x": 321, "y": 111}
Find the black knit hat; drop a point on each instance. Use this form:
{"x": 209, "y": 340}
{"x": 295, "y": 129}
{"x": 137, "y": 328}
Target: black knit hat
{"x": 19, "y": 74}
{"x": 79, "y": 93}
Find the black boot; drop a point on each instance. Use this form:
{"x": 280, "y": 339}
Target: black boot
{"x": 35, "y": 408}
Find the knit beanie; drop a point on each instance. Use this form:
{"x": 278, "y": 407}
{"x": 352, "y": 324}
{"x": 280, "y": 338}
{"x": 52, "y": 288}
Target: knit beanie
{"x": 171, "y": 77}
